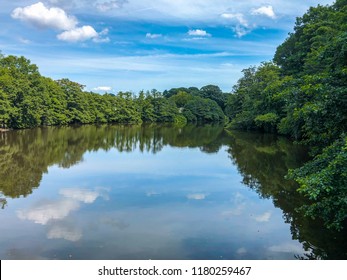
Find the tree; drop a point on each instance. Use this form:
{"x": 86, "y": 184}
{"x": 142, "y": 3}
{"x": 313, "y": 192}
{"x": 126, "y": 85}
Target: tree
{"x": 5, "y": 110}
{"x": 214, "y": 93}
{"x": 203, "y": 110}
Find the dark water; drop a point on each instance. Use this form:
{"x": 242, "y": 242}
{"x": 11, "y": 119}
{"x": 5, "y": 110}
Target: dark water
{"x": 154, "y": 192}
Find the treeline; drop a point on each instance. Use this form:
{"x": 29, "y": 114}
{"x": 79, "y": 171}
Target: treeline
{"x": 28, "y": 99}
{"x": 302, "y": 93}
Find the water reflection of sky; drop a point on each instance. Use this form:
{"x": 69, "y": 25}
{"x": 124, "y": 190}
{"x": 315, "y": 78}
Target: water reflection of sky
{"x": 176, "y": 204}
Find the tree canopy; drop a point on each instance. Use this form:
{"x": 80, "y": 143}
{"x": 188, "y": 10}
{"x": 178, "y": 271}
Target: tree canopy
{"x": 28, "y": 100}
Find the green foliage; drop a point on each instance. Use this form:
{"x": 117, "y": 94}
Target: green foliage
{"x": 255, "y": 99}
{"x": 214, "y": 93}
{"x": 181, "y": 98}
{"x": 5, "y": 109}
{"x": 203, "y": 110}
{"x": 28, "y": 100}
{"x": 180, "y": 120}
{"x": 266, "y": 121}
{"x": 146, "y": 107}
{"x": 203, "y": 105}
{"x": 324, "y": 182}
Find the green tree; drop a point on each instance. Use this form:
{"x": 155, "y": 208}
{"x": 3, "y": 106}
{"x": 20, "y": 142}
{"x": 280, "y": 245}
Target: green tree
{"x": 203, "y": 110}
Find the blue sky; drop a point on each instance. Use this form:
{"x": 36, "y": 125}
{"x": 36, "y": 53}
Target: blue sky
{"x": 130, "y": 45}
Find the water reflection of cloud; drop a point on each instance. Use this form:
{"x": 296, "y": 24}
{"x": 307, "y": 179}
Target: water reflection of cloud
{"x": 239, "y": 201}
{"x": 54, "y": 213}
{"x": 64, "y": 231}
{"x": 82, "y": 195}
{"x": 263, "y": 218}
{"x": 197, "y": 196}
{"x": 114, "y": 223}
{"x": 237, "y": 211}
{"x": 241, "y": 251}
{"x": 44, "y": 212}
{"x": 286, "y": 248}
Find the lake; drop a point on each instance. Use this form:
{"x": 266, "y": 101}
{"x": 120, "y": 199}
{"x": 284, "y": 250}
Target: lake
{"x": 154, "y": 192}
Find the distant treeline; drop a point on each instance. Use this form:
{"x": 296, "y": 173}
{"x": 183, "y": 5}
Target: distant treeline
{"x": 28, "y": 99}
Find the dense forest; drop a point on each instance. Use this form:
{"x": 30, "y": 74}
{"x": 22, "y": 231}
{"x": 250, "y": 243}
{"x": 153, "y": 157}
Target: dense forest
{"x": 301, "y": 93}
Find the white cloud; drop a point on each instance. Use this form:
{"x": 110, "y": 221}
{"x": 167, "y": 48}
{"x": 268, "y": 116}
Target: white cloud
{"x": 197, "y": 196}
{"x": 242, "y": 26}
{"x": 102, "y": 88}
{"x": 79, "y": 34}
{"x": 240, "y": 31}
{"x": 263, "y": 218}
{"x": 107, "y": 6}
{"x": 46, "y": 211}
{"x": 82, "y": 195}
{"x": 153, "y": 36}
{"x": 104, "y": 31}
{"x": 198, "y": 32}
{"x": 100, "y": 39}
{"x": 238, "y": 17}
{"x": 266, "y": 11}
{"x": 39, "y": 15}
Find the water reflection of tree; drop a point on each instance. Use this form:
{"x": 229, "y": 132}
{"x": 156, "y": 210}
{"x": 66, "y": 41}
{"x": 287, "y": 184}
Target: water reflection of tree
{"x": 26, "y": 155}
{"x": 264, "y": 160}
{"x": 3, "y": 203}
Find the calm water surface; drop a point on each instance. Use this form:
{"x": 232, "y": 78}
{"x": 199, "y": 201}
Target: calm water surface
{"x": 153, "y": 192}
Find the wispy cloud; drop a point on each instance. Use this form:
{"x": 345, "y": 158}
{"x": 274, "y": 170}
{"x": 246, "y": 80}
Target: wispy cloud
{"x": 153, "y": 36}
{"x": 238, "y": 23}
{"x": 102, "y": 88}
{"x": 24, "y": 41}
{"x": 107, "y": 6}
{"x": 240, "y": 18}
{"x": 196, "y": 196}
